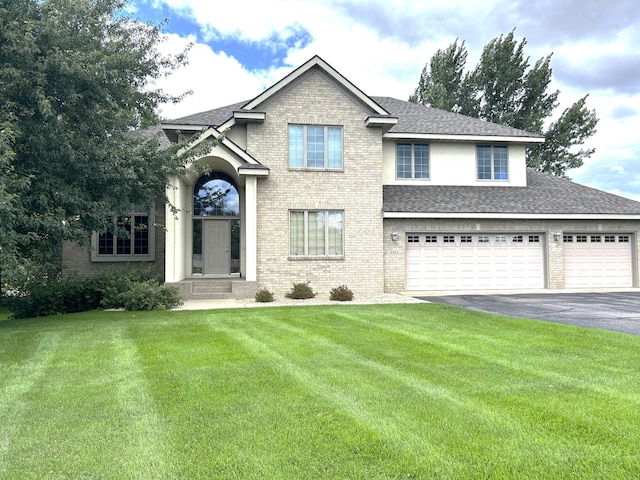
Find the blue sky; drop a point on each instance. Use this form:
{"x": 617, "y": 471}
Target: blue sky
{"x": 240, "y": 48}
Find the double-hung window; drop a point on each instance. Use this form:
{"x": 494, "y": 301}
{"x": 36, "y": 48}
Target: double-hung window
{"x": 412, "y": 160}
{"x": 131, "y": 240}
{"x": 316, "y": 233}
{"x": 315, "y": 146}
{"x": 492, "y": 162}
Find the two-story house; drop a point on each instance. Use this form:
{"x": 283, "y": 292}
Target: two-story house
{"x": 315, "y": 181}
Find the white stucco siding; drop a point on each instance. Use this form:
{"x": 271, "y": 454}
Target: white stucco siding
{"x": 453, "y": 163}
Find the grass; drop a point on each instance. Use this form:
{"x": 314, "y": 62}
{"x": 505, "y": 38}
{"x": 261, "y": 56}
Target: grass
{"x": 318, "y": 392}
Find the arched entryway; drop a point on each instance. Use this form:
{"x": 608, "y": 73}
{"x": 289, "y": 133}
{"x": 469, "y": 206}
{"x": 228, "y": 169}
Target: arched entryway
{"x": 216, "y": 225}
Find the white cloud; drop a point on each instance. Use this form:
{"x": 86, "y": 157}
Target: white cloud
{"x": 214, "y": 78}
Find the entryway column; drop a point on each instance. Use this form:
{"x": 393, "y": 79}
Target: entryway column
{"x": 251, "y": 228}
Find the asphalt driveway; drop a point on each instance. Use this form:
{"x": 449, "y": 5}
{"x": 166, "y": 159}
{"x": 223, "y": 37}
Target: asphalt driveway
{"x": 618, "y": 311}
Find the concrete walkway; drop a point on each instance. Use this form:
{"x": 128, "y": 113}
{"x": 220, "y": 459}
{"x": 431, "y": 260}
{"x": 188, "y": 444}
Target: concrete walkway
{"x": 283, "y": 301}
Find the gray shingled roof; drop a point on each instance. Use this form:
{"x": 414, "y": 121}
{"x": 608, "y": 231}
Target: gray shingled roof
{"x": 211, "y": 118}
{"x": 415, "y": 118}
{"x": 412, "y": 118}
{"x": 543, "y": 195}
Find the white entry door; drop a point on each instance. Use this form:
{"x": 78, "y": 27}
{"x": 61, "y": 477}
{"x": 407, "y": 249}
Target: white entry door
{"x": 216, "y": 247}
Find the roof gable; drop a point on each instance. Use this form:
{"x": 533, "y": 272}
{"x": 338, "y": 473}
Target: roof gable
{"x": 315, "y": 62}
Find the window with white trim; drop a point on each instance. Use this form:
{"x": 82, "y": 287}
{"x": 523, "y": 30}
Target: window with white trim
{"x": 492, "y": 162}
{"x": 315, "y": 146}
{"x": 132, "y": 239}
{"x": 412, "y": 160}
{"x": 316, "y": 233}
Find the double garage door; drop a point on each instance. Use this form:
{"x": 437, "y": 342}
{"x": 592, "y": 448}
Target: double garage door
{"x": 597, "y": 261}
{"x": 513, "y": 261}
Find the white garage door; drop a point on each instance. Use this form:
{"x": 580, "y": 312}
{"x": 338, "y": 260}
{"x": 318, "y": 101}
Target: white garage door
{"x": 474, "y": 262}
{"x": 597, "y": 261}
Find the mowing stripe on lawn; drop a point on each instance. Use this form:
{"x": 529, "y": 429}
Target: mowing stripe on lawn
{"x": 513, "y": 364}
{"x": 346, "y": 401}
{"x": 146, "y": 445}
{"x": 503, "y": 424}
{"x": 505, "y": 421}
{"x": 18, "y": 381}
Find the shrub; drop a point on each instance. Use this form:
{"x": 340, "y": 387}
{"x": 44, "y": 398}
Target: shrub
{"x": 52, "y": 297}
{"x": 117, "y": 288}
{"x": 301, "y": 291}
{"x": 341, "y": 294}
{"x": 264, "y": 296}
{"x": 150, "y": 295}
{"x": 115, "y": 282}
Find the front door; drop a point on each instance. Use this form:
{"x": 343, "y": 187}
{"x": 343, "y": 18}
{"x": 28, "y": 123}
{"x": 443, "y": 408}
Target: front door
{"x": 217, "y": 247}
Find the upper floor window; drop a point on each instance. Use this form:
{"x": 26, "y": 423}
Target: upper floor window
{"x": 492, "y": 162}
{"x": 315, "y": 146}
{"x": 412, "y": 160}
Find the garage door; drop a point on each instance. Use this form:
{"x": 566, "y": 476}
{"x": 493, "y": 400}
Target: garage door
{"x": 597, "y": 261}
{"x": 474, "y": 262}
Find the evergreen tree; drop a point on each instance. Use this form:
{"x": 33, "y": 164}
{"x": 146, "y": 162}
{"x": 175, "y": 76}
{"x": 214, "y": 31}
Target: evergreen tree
{"x": 505, "y": 89}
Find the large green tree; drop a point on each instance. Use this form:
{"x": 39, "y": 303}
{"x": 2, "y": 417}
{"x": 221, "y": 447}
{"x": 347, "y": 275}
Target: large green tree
{"x": 505, "y": 88}
{"x": 76, "y": 79}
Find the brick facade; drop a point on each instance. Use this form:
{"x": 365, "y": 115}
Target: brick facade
{"x": 318, "y": 100}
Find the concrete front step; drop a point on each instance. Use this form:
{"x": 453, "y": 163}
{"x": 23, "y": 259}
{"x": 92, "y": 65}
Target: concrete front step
{"x": 211, "y": 287}
{"x": 211, "y": 296}
{"x": 215, "y": 288}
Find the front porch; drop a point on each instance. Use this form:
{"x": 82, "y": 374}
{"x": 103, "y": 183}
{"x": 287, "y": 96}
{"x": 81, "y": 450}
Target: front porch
{"x": 211, "y": 234}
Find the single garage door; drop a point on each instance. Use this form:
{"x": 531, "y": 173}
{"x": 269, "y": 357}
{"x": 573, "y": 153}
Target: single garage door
{"x": 597, "y": 261}
{"x": 474, "y": 261}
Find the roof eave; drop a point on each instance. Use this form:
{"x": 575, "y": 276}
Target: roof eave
{"x": 515, "y": 216}
{"x": 464, "y": 138}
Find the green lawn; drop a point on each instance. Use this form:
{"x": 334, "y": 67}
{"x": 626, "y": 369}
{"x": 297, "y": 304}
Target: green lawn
{"x": 318, "y": 392}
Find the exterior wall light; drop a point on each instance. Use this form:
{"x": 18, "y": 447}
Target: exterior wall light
{"x": 556, "y": 237}
{"x": 394, "y": 237}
